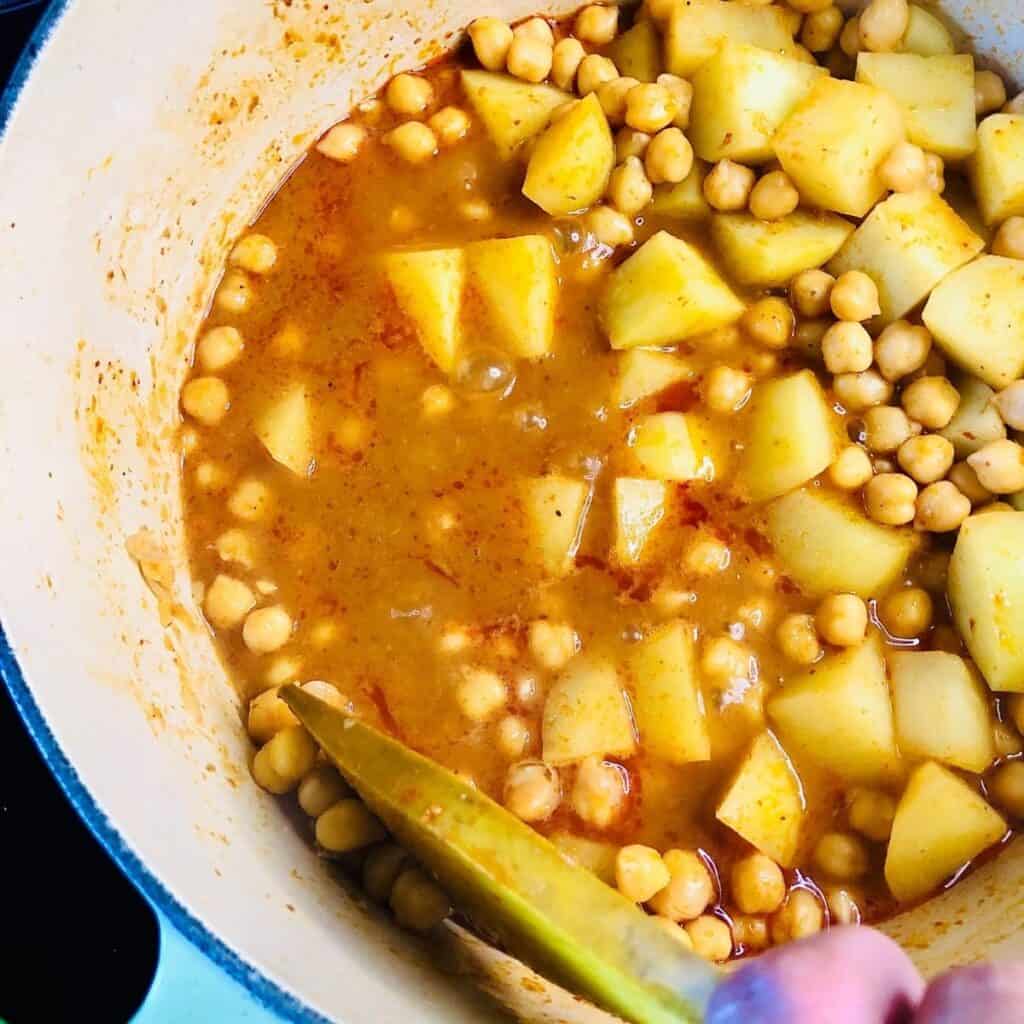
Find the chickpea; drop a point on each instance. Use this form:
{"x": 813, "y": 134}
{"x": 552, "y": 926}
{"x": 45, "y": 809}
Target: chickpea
{"x": 450, "y": 125}
{"x": 267, "y": 629}
{"x": 854, "y": 296}
{"x": 630, "y": 142}
{"x": 711, "y": 938}
{"x": 219, "y": 347}
{"x": 227, "y": 602}
{"x": 342, "y": 142}
{"x": 706, "y": 556}
{"x": 936, "y": 178}
{"x": 409, "y": 95}
{"x": 669, "y": 157}
{"x": 842, "y": 620}
{"x": 206, "y": 399}
{"x": 418, "y": 902}
{"x": 906, "y": 612}
{"x": 932, "y": 401}
{"x": 749, "y": 933}
{"x": 481, "y": 693}
{"x": 769, "y": 322}
{"x": 725, "y": 390}
{"x": 886, "y": 427}
{"x": 597, "y": 25}
{"x": 846, "y": 348}
{"x": 690, "y": 890}
{"x": 890, "y": 498}
{"x": 565, "y": 61}
{"x": 849, "y": 38}
{"x": 640, "y": 873}
{"x": 612, "y": 97}
{"x": 552, "y": 644}
{"x": 1006, "y": 784}
{"x": 610, "y": 227}
{"x": 321, "y": 788}
{"x": 529, "y": 58}
{"x": 905, "y": 169}
{"x": 810, "y": 6}
{"x": 871, "y": 812}
{"x": 807, "y": 337}
{"x": 403, "y": 219}
{"x": 901, "y": 349}
{"x": 413, "y": 141}
{"x": 860, "y": 391}
{"x": 883, "y": 23}
{"x": 250, "y": 501}
{"x": 842, "y": 856}
{"x": 491, "y": 40}
{"x": 437, "y": 400}
{"x": 758, "y": 885}
{"x": 594, "y": 71}
{"x": 649, "y": 107}
{"x": 989, "y": 92}
{"x": 966, "y": 481}
{"x": 842, "y": 905}
{"x": 532, "y": 790}
{"x": 682, "y": 94}
{"x": 774, "y": 196}
{"x": 599, "y": 793}
{"x": 926, "y": 458}
{"x": 999, "y": 466}
{"x": 1005, "y": 737}
{"x": 348, "y": 826}
{"x": 268, "y": 715}
{"x": 728, "y": 185}
{"x": 629, "y": 191}
{"x": 801, "y": 916}
{"x": 798, "y": 639}
{"x": 1009, "y": 404}
{"x": 535, "y": 28}
{"x": 821, "y": 29}
{"x": 290, "y": 754}
{"x": 235, "y": 293}
{"x": 810, "y": 292}
{"x": 255, "y": 253}
{"x": 381, "y": 869}
{"x": 1009, "y": 239}
{"x": 725, "y": 658}
{"x": 851, "y": 469}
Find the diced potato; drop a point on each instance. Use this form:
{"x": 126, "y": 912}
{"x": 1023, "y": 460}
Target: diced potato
{"x": 661, "y": 445}
{"x": 664, "y": 293}
{"x": 697, "y": 28}
{"x": 960, "y": 196}
{"x": 977, "y": 318}
{"x": 986, "y": 593}
{"x": 285, "y": 429}
{"x": 976, "y": 422}
{"x": 639, "y": 507}
{"x": 740, "y": 97}
{"x": 591, "y": 854}
{"x": 686, "y": 200}
{"x": 428, "y": 287}
{"x": 572, "y": 161}
{"x": 642, "y": 373}
{"x": 827, "y": 546}
{"x": 511, "y": 111}
{"x": 667, "y": 700}
{"x": 637, "y": 53}
{"x": 908, "y": 244}
{"x": 515, "y": 277}
{"x": 833, "y": 142}
{"x": 936, "y": 94}
{"x": 770, "y": 253}
{"x": 765, "y": 802}
{"x": 943, "y": 709}
{"x": 586, "y": 714}
{"x": 792, "y": 435}
{"x": 925, "y": 34}
{"x": 556, "y": 508}
{"x": 941, "y": 824}
{"x": 997, "y": 167}
{"x": 838, "y": 714}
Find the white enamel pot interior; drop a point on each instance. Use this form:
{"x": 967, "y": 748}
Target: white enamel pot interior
{"x": 138, "y": 141}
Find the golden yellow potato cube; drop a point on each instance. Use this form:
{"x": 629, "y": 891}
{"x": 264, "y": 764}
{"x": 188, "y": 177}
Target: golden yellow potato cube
{"x": 665, "y": 292}
{"x": 572, "y": 161}
{"x": 941, "y": 824}
{"x": 997, "y": 167}
{"x": 765, "y": 803}
{"x": 925, "y": 35}
{"x": 833, "y": 142}
{"x": 740, "y": 97}
{"x": 770, "y": 253}
{"x": 285, "y": 429}
{"x": 511, "y": 111}
{"x": 428, "y": 288}
{"x": 907, "y": 245}
{"x": 684, "y": 201}
{"x": 976, "y": 422}
{"x": 662, "y": 447}
{"x": 643, "y": 373}
{"x": 556, "y": 508}
{"x": 637, "y": 52}
{"x": 639, "y": 507}
{"x": 977, "y": 318}
{"x": 515, "y": 277}
{"x": 986, "y": 593}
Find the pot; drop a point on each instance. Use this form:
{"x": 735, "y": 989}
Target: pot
{"x": 138, "y": 140}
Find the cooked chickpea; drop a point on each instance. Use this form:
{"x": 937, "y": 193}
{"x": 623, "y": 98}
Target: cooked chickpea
{"x": 932, "y": 401}
{"x": 290, "y": 754}
{"x": 890, "y": 498}
{"x": 886, "y": 427}
{"x": 926, "y": 458}
{"x": 268, "y": 715}
{"x": 418, "y": 902}
{"x": 936, "y": 177}
{"x": 1009, "y": 239}
{"x": 629, "y": 190}
{"x": 437, "y": 400}
{"x": 565, "y": 61}
{"x": 758, "y": 885}
{"x": 689, "y": 891}
{"x": 481, "y": 693}
{"x": 774, "y": 196}
{"x": 597, "y": 25}
{"x": 255, "y": 253}
{"x": 810, "y": 292}
{"x": 842, "y": 620}
{"x": 530, "y": 58}
{"x": 870, "y": 812}
{"x": 809, "y": 6}
{"x": 821, "y": 29}
{"x": 1005, "y": 737}
{"x": 342, "y": 142}
{"x": 649, "y": 107}
{"x": 206, "y": 399}
{"x": 725, "y": 658}
{"x": 593, "y": 71}
{"x": 725, "y": 389}
{"x": 477, "y": 210}
{"x": 227, "y": 602}
{"x": 851, "y": 469}
{"x": 267, "y": 629}
{"x": 403, "y": 219}
{"x": 553, "y": 644}
{"x": 846, "y": 348}
{"x": 250, "y": 500}
{"x": 682, "y": 96}
{"x": 266, "y": 778}
{"x": 901, "y": 349}
{"x": 750, "y": 933}
{"x": 842, "y": 905}
{"x": 348, "y": 826}
{"x": 322, "y": 787}
{"x": 413, "y": 141}
{"x": 801, "y": 916}
{"x": 532, "y": 790}
{"x": 383, "y": 865}
{"x": 989, "y": 92}
{"x": 1009, "y": 403}
{"x": 905, "y": 169}
{"x": 612, "y": 97}
{"x": 769, "y": 322}
{"x": 854, "y": 296}
{"x": 599, "y": 792}
{"x": 491, "y": 40}
{"x": 706, "y": 556}
{"x": 669, "y": 157}
{"x": 728, "y": 185}
{"x": 513, "y": 737}
{"x": 1006, "y": 784}
{"x": 630, "y": 142}
{"x": 711, "y": 938}
{"x": 842, "y": 856}
{"x": 409, "y": 95}
{"x": 798, "y": 639}
{"x": 807, "y": 337}
{"x": 610, "y": 227}
{"x": 849, "y": 38}
{"x": 860, "y": 391}
{"x": 640, "y": 873}
{"x": 883, "y": 23}
{"x": 218, "y": 348}
{"x": 450, "y": 125}
{"x": 967, "y": 483}
{"x": 535, "y": 28}
{"x": 906, "y": 612}
{"x": 235, "y": 293}
{"x": 999, "y": 466}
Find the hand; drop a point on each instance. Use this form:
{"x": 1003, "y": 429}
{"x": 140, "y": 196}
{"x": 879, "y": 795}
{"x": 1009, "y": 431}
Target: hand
{"x": 858, "y": 976}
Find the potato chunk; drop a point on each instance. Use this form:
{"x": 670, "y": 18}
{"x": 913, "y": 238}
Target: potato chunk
{"x": 997, "y": 167}
{"x": 637, "y": 52}
{"x": 977, "y": 318}
{"x": 769, "y": 254}
{"x": 511, "y": 111}
{"x": 826, "y": 545}
{"x": 792, "y": 435}
{"x": 765, "y": 802}
{"x": 428, "y": 287}
{"x": 832, "y": 143}
{"x": 285, "y": 429}
{"x": 941, "y": 824}
{"x": 976, "y": 422}
{"x": 986, "y": 593}
{"x": 642, "y": 373}
{"x": 697, "y": 28}
{"x": 572, "y": 161}
{"x": 667, "y": 700}
{"x": 936, "y": 94}
{"x": 686, "y": 200}
{"x": 908, "y": 244}
{"x": 556, "y": 509}
{"x": 586, "y": 714}
{"x": 515, "y": 277}
{"x": 839, "y": 715}
{"x": 943, "y": 709}
{"x": 925, "y": 35}
{"x": 661, "y": 445}
{"x": 665, "y": 292}
{"x": 639, "y": 508}
{"x": 740, "y": 97}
